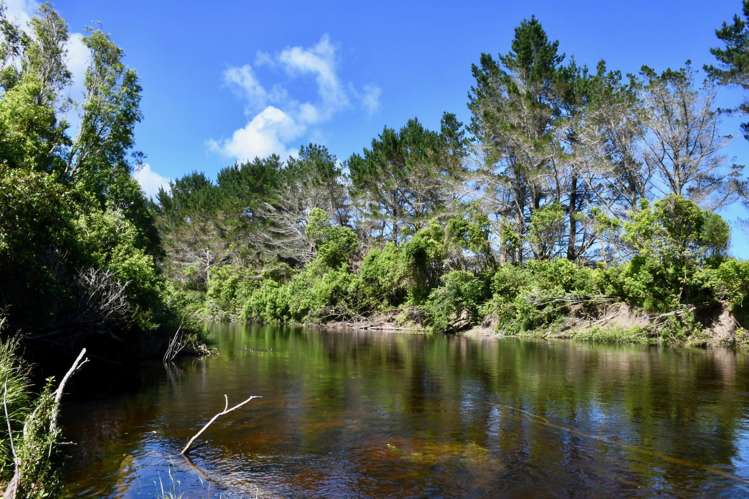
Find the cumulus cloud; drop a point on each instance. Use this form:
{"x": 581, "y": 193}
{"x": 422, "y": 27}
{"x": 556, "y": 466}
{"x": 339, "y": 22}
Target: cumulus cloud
{"x": 320, "y": 61}
{"x": 267, "y": 133}
{"x": 150, "y": 181}
{"x": 276, "y": 120}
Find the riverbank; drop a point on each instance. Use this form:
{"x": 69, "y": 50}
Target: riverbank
{"x": 617, "y": 323}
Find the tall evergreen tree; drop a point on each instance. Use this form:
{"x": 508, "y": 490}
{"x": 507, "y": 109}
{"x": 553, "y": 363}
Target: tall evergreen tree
{"x": 514, "y": 104}
{"x": 407, "y": 176}
{"x": 733, "y": 57}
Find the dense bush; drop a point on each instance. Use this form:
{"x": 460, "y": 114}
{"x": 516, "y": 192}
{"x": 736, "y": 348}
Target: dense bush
{"x": 540, "y": 293}
{"x": 455, "y": 304}
{"x": 380, "y": 282}
{"x": 671, "y": 241}
{"x": 229, "y": 286}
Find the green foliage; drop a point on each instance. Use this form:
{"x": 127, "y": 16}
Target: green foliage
{"x": 423, "y": 257}
{"x": 38, "y": 450}
{"x": 456, "y": 303}
{"x": 728, "y": 282}
{"x": 228, "y": 288}
{"x": 546, "y": 229}
{"x": 267, "y": 303}
{"x": 380, "y": 281}
{"x": 35, "y": 440}
{"x": 108, "y": 239}
{"x": 36, "y": 232}
{"x": 672, "y": 240}
{"x": 334, "y": 245}
{"x": 78, "y": 246}
{"x": 468, "y": 240}
{"x": 540, "y": 293}
{"x": 14, "y": 377}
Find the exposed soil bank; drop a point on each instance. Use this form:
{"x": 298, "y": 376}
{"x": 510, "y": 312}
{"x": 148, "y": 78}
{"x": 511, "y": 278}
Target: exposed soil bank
{"x": 616, "y": 323}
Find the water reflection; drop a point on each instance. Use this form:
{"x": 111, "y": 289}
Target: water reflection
{"x": 377, "y": 414}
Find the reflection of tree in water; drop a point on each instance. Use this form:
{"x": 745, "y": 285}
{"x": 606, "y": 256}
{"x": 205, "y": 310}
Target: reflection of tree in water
{"x": 362, "y": 413}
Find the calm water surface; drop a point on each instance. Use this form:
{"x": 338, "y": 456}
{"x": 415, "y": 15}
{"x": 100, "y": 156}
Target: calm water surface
{"x": 368, "y": 414}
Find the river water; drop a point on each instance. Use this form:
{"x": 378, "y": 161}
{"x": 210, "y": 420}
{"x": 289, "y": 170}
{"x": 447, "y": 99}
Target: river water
{"x": 375, "y": 414}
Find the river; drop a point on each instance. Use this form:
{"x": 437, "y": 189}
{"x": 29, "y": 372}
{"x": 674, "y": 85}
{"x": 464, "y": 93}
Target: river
{"x": 376, "y": 414}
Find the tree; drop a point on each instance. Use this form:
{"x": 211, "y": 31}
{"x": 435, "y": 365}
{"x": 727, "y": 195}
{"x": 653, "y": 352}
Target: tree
{"x": 514, "y": 105}
{"x": 406, "y": 177}
{"x": 733, "y": 57}
{"x": 601, "y": 129}
{"x": 671, "y": 240}
{"x": 318, "y": 172}
{"x": 33, "y": 72}
{"x": 683, "y": 143}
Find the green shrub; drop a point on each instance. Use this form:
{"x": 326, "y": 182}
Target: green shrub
{"x": 229, "y": 287}
{"x": 672, "y": 239}
{"x": 333, "y": 245}
{"x": 540, "y": 293}
{"x": 267, "y": 303}
{"x": 456, "y": 303}
{"x": 380, "y": 282}
{"x": 14, "y": 375}
{"x": 423, "y": 261}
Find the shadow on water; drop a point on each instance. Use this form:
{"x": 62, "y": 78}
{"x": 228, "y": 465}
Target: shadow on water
{"x": 374, "y": 414}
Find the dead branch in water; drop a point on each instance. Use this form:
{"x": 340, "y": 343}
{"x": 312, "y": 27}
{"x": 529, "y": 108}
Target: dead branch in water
{"x": 176, "y": 345}
{"x": 11, "y": 491}
{"x": 226, "y": 411}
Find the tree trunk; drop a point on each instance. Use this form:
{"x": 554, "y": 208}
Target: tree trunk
{"x": 572, "y": 210}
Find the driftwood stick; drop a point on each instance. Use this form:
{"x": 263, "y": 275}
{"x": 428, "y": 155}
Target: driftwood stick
{"x": 79, "y": 361}
{"x": 12, "y": 488}
{"x": 226, "y": 411}
{"x": 11, "y": 491}
{"x": 7, "y": 420}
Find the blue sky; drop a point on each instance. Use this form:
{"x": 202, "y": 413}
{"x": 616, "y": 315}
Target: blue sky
{"x": 226, "y": 79}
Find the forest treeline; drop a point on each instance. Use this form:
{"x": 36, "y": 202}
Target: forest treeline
{"x": 571, "y": 193}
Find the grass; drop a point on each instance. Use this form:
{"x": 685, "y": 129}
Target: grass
{"x": 614, "y": 335}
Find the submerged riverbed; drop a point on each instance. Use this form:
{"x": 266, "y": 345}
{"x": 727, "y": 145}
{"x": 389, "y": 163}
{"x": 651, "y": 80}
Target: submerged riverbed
{"x": 373, "y": 414}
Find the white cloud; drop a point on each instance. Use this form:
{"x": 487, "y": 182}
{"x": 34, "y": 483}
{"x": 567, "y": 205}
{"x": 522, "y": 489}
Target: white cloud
{"x": 77, "y": 59}
{"x": 244, "y": 78}
{"x": 263, "y": 59}
{"x": 283, "y": 120}
{"x": 20, "y": 11}
{"x": 319, "y": 61}
{"x": 267, "y": 133}
{"x": 150, "y": 182}
{"x": 370, "y": 98}
{"x": 77, "y": 56}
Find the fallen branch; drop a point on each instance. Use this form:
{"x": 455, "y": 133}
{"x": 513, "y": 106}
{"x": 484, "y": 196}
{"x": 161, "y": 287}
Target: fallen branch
{"x": 176, "y": 345}
{"x": 11, "y": 491}
{"x": 226, "y": 411}
{"x": 79, "y": 362}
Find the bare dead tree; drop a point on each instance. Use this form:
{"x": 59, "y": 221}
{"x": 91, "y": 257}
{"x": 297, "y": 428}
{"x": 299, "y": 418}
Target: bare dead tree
{"x": 683, "y": 143}
{"x": 104, "y": 297}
